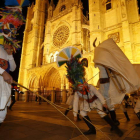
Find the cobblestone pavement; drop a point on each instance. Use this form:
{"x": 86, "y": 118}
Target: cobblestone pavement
{"x": 31, "y": 121}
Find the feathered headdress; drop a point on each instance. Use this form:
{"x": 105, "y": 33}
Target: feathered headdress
{"x": 10, "y": 41}
{"x": 12, "y": 18}
{"x": 12, "y": 15}
{"x": 75, "y": 68}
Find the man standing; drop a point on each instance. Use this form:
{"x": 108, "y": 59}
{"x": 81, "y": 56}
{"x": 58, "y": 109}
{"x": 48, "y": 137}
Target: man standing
{"x": 104, "y": 90}
{"x": 94, "y": 100}
{"x": 7, "y": 64}
{"x": 137, "y": 107}
{"x": 14, "y": 88}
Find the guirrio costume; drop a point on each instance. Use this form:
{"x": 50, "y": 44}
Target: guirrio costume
{"x": 123, "y": 79}
{"x": 11, "y": 20}
{"x": 6, "y": 63}
{"x": 94, "y": 102}
{"x": 104, "y": 82}
{"x": 75, "y": 74}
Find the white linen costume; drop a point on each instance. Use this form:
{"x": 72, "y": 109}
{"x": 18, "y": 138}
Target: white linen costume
{"x": 5, "y": 88}
{"x": 85, "y": 106}
{"x": 111, "y": 56}
{"x": 70, "y": 99}
{"x": 104, "y": 87}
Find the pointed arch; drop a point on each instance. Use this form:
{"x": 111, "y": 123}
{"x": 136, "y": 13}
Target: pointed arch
{"x": 52, "y": 78}
{"x": 33, "y": 82}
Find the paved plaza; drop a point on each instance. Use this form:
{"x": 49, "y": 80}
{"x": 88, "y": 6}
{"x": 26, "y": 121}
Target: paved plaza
{"x": 31, "y": 121}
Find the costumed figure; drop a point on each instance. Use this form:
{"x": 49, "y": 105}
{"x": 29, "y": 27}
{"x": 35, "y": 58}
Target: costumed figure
{"x": 119, "y": 75}
{"x": 92, "y": 98}
{"x": 13, "y": 90}
{"x": 104, "y": 88}
{"x": 137, "y": 107}
{"x": 70, "y": 102}
{"x": 7, "y": 64}
{"x": 10, "y": 20}
{"x": 126, "y": 97}
{"x": 124, "y": 111}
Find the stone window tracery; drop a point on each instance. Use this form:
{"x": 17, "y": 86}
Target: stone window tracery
{"x": 108, "y": 5}
{"x": 60, "y": 36}
{"x": 62, "y": 8}
{"x": 52, "y": 59}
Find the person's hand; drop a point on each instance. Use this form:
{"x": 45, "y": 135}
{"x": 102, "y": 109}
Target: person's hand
{"x": 75, "y": 119}
{"x": 7, "y": 77}
{"x": 8, "y": 49}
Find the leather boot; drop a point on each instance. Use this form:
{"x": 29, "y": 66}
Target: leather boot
{"x": 113, "y": 117}
{"x": 66, "y": 112}
{"x": 112, "y": 124}
{"x": 78, "y": 118}
{"x": 126, "y": 115}
{"x": 138, "y": 115}
{"x": 92, "y": 129}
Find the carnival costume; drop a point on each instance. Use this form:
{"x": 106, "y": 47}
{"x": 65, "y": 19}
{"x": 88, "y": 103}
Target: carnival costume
{"x": 6, "y": 63}
{"x": 70, "y": 103}
{"x": 10, "y": 20}
{"x": 122, "y": 77}
{"x": 104, "y": 81}
{"x": 92, "y": 98}
{"x": 137, "y": 107}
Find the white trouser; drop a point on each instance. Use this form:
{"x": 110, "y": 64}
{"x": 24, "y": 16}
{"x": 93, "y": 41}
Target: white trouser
{"x": 104, "y": 88}
{"x": 97, "y": 105}
{"x": 3, "y": 115}
{"x": 137, "y": 106}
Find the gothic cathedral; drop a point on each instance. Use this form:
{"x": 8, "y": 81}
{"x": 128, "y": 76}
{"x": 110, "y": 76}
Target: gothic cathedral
{"x": 50, "y": 28}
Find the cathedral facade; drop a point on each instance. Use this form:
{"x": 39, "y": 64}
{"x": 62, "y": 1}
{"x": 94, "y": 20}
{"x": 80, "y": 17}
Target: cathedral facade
{"x": 50, "y": 28}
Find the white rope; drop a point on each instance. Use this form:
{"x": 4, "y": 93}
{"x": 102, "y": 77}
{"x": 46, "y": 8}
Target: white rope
{"x": 55, "y": 106}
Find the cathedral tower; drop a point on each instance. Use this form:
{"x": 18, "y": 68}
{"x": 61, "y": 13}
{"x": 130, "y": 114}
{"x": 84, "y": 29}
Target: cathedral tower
{"x": 33, "y": 38}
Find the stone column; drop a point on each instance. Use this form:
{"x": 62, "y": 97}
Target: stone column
{"x": 17, "y": 95}
{"x": 26, "y": 96}
{"x": 53, "y": 95}
{"x": 64, "y": 95}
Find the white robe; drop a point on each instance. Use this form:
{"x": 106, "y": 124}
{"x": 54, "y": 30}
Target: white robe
{"x": 5, "y": 88}
{"x": 85, "y": 106}
{"x": 111, "y": 56}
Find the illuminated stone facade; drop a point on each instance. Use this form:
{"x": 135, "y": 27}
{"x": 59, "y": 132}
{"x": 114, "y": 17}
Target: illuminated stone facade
{"x": 49, "y": 29}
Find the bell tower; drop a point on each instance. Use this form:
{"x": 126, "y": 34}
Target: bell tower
{"x": 96, "y": 21}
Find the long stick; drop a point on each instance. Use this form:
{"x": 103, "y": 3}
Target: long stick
{"x": 54, "y": 105}
{"x": 113, "y": 81}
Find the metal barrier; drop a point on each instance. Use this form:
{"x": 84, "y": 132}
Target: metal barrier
{"x": 46, "y": 94}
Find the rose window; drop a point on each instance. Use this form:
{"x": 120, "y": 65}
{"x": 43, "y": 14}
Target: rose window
{"x": 60, "y": 36}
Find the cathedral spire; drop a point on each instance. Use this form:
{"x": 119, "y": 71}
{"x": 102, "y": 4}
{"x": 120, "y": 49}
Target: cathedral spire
{"x": 51, "y": 4}
{"x": 79, "y": 3}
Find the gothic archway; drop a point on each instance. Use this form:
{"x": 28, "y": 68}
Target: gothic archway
{"x": 52, "y": 79}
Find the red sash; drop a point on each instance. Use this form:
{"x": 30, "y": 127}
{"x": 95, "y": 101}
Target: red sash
{"x": 92, "y": 99}
{"x": 3, "y": 64}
